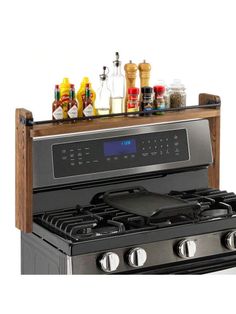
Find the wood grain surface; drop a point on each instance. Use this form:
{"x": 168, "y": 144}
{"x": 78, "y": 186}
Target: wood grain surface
{"x": 23, "y": 170}
{"x": 116, "y": 122}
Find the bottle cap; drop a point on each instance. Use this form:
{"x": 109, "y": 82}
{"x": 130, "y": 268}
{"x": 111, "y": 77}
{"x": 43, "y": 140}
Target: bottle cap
{"x": 66, "y": 81}
{"x": 146, "y": 89}
{"x": 103, "y": 76}
{"x": 133, "y": 90}
{"x": 159, "y": 89}
{"x": 177, "y": 84}
{"x": 117, "y": 62}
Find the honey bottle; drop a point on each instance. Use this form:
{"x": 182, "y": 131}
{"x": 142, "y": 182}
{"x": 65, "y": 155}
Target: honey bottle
{"x": 81, "y": 95}
{"x": 65, "y": 96}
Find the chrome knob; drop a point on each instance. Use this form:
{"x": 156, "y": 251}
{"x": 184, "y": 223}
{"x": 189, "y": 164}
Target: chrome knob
{"x": 186, "y": 249}
{"x": 230, "y": 240}
{"x": 109, "y": 262}
{"x": 137, "y": 257}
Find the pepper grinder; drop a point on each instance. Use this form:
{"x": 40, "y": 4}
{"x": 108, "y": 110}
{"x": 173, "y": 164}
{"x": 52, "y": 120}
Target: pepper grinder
{"x": 130, "y": 76}
{"x": 144, "y": 73}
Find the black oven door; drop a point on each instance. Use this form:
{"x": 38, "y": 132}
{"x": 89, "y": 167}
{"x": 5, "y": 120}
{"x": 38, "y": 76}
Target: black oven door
{"x": 212, "y": 265}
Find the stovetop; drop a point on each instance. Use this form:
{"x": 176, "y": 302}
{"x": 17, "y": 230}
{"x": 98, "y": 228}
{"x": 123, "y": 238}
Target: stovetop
{"x": 99, "y": 220}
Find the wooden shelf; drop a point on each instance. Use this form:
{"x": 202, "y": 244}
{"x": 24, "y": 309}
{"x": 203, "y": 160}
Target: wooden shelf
{"x": 26, "y": 130}
{"x": 114, "y": 122}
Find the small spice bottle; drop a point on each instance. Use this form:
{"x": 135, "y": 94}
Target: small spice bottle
{"x": 146, "y": 98}
{"x": 133, "y": 100}
{"x": 57, "y": 111}
{"x": 72, "y": 104}
{"x": 177, "y": 94}
{"x": 159, "y": 100}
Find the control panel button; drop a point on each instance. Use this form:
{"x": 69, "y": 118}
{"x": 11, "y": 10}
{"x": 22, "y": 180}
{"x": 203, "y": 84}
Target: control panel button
{"x": 186, "y": 248}
{"x": 109, "y": 262}
{"x": 230, "y": 240}
{"x": 137, "y": 257}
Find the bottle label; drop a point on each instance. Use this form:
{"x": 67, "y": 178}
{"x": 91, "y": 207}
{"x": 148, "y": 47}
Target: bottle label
{"x": 88, "y": 111}
{"x": 132, "y": 106}
{"x": 73, "y": 112}
{"x": 58, "y": 113}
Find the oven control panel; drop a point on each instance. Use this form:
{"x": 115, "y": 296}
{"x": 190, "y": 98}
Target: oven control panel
{"x": 126, "y": 151}
{"x": 99, "y": 155}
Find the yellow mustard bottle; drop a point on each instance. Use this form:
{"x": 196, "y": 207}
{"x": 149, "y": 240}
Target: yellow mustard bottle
{"x": 81, "y": 96}
{"x": 65, "y": 96}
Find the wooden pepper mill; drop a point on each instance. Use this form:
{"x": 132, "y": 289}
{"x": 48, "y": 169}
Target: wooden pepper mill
{"x": 144, "y": 73}
{"x": 130, "y": 75}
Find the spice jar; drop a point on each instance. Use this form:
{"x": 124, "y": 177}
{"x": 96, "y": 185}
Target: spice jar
{"x": 159, "y": 100}
{"x": 133, "y": 100}
{"x": 146, "y": 98}
{"x": 177, "y": 95}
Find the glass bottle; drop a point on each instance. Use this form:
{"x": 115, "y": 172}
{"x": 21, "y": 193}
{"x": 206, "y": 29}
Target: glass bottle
{"x": 57, "y": 111}
{"x": 102, "y": 104}
{"x": 146, "y": 99}
{"x": 159, "y": 100}
{"x": 133, "y": 100}
{"x": 72, "y": 105}
{"x": 177, "y": 94}
{"x": 117, "y": 87}
{"x": 88, "y": 103}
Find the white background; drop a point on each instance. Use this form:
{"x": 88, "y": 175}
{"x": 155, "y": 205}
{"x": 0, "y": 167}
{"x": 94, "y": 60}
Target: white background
{"x": 43, "y": 41}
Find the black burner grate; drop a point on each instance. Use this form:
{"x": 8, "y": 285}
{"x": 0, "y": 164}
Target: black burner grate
{"x": 102, "y": 220}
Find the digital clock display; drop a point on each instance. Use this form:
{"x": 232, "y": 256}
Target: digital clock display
{"x": 116, "y": 148}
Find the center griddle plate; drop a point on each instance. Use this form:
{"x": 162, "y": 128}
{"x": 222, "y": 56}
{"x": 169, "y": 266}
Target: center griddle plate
{"x": 139, "y": 201}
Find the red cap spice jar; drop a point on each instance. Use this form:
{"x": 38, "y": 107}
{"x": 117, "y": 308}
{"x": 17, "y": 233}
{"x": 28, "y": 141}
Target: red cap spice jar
{"x": 159, "y": 100}
{"x": 133, "y": 100}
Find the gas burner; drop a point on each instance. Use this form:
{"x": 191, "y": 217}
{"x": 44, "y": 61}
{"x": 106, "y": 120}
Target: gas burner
{"x": 214, "y": 213}
{"x": 102, "y": 220}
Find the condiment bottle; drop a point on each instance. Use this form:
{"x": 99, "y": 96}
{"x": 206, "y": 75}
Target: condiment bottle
{"x": 117, "y": 87}
{"x": 102, "y": 104}
{"x": 144, "y": 73}
{"x": 57, "y": 111}
{"x": 130, "y": 75}
{"x": 87, "y": 102}
{"x": 81, "y": 95}
{"x": 177, "y": 94}
{"x": 146, "y": 98}
{"x": 133, "y": 100}
{"x": 159, "y": 101}
{"x": 72, "y": 105}
{"x": 64, "y": 92}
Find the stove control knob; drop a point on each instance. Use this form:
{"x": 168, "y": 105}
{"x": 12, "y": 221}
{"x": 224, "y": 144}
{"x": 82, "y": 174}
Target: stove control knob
{"x": 186, "y": 248}
{"x": 230, "y": 240}
{"x": 137, "y": 257}
{"x": 109, "y": 262}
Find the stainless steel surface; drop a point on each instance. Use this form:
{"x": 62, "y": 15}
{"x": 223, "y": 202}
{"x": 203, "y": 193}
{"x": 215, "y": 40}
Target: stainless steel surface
{"x": 158, "y": 253}
{"x": 137, "y": 257}
{"x": 69, "y": 270}
{"x": 230, "y": 240}
{"x": 228, "y": 271}
{"x": 199, "y": 149}
{"x": 186, "y": 248}
{"x": 109, "y": 262}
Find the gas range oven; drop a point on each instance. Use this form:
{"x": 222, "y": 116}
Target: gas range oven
{"x": 128, "y": 200}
